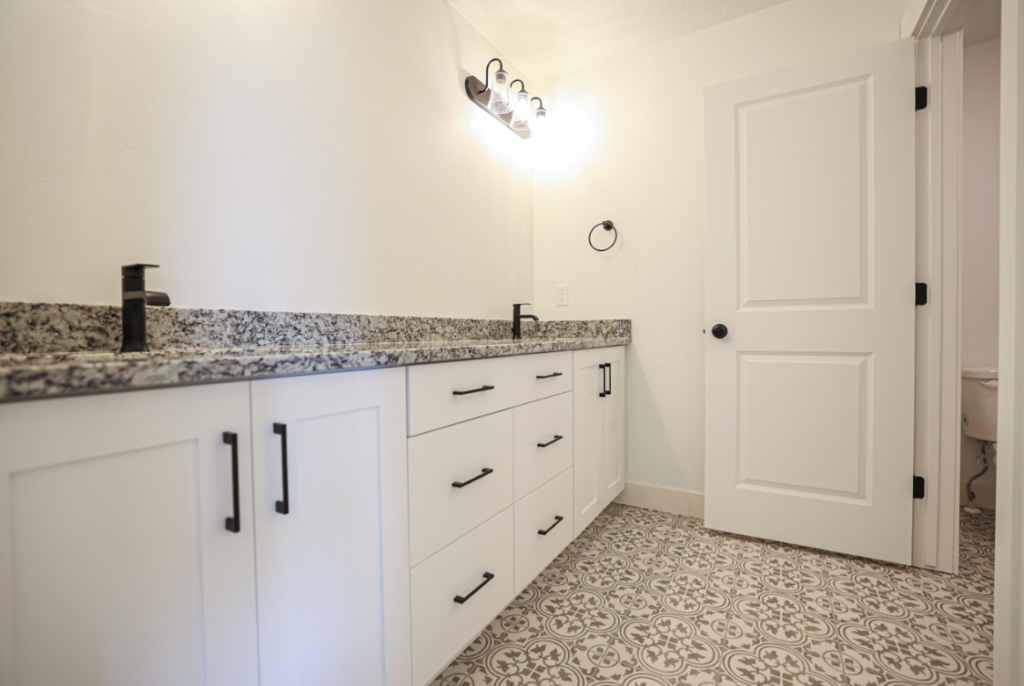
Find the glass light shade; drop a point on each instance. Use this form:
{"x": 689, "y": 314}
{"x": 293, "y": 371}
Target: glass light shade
{"x": 521, "y": 113}
{"x": 499, "y": 102}
{"x": 540, "y": 117}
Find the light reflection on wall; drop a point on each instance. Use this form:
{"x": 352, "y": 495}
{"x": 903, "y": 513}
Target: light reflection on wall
{"x": 569, "y": 140}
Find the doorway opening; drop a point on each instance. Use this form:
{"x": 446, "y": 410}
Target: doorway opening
{"x": 979, "y": 259}
{"x": 979, "y": 304}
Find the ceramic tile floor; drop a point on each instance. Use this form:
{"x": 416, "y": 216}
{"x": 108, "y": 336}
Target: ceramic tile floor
{"x": 645, "y": 598}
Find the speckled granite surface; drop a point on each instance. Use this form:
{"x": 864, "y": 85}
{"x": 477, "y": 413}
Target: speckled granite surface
{"x": 30, "y": 328}
{"x": 57, "y": 350}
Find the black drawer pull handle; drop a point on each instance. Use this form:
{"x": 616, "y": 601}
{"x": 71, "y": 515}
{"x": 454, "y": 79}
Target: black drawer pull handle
{"x": 233, "y": 524}
{"x": 550, "y": 376}
{"x": 556, "y": 439}
{"x": 283, "y": 506}
{"x": 484, "y": 472}
{"x": 604, "y": 381}
{"x": 545, "y": 532}
{"x": 460, "y": 599}
{"x": 475, "y": 390}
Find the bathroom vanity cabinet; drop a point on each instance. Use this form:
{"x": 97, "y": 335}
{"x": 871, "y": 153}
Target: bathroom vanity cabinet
{"x": 141, "y": 532}
{"x": 116, "y": 562}
{"x": 357, "y": 527}
{"x": 485, "y": 436}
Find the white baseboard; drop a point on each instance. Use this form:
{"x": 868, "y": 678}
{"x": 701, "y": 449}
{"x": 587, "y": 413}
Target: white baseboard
{"x": 692, "y": 504}
{"x": 985, "y": 492}
{"x": 663, "y": 499}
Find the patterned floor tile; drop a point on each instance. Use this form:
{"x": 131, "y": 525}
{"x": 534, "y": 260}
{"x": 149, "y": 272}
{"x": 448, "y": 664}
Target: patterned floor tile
{"x": 645, "y": 598}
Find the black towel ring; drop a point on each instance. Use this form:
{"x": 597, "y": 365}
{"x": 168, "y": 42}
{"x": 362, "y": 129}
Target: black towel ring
{"x": 608, "y": 226}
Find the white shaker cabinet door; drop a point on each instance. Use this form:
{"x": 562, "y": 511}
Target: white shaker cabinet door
{"x": 332, "y": 545}
{"x": 117, "y": 565}
{"x": 613, "y": 417}
{"x": 598, "y": 431}
{"x": 588, "y": 438}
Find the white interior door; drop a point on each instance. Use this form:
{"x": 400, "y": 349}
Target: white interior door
{"x": 810, "y": 265}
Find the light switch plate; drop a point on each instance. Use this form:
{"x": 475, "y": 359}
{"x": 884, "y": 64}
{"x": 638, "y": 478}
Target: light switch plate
{"x": 562, "y": 295}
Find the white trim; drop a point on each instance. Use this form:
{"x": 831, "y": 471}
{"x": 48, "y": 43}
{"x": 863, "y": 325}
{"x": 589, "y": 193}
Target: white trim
{"x": 1009, "y": 590}
{"x": 937, "y": 373}
{"x": 934, "y": 18}
{"x": 909, "y": 26}
{"x": 950, "y": 430}
{"x": 664, "y": 499}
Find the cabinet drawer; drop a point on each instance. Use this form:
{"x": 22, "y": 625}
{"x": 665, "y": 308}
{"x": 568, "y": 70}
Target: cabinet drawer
{"x": 441, "y": 627}
{"x": 541, "y": 376}
{"x": 440, "y": 512}
{"x": 536, "y": 424}
{"x": 535, "y": 513}
{"x": 452, "y": 392}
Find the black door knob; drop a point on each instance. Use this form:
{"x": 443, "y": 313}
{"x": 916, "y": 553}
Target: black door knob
{"x": 719, "y": 331}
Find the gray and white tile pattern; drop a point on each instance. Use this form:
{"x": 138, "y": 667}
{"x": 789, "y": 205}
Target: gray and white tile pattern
{"x": 646, "y": 598}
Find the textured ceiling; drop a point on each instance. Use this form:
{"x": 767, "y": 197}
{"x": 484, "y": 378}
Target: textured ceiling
{"x": 984, "y": 23}
{"x": 550, "y": 37}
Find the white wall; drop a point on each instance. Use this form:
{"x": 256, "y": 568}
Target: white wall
{"x": 627, "y": 144}
{"x": 316, "y": 155}
{"x": 980, "y": 227}
{"x": 980, "y": 233}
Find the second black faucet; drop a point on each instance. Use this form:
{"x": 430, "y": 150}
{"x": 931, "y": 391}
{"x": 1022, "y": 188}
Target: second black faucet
{"x": 517, "y": 321}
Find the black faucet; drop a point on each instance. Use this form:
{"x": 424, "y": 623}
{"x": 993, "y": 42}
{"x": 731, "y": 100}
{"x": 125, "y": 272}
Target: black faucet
{"x": 134, "y": 298}
{"x": 517, "y": 320}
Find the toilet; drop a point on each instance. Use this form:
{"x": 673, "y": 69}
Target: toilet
{"x": 979, "y": 396}
{"x": 979, "y": 404}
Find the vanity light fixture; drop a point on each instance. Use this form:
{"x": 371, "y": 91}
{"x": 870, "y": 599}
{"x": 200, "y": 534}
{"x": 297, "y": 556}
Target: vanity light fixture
{"x": 540, "y": 114}
{"x": 521, "y": 109}
{"x": 513, "y": 110}
{"x": 498, "y": 101}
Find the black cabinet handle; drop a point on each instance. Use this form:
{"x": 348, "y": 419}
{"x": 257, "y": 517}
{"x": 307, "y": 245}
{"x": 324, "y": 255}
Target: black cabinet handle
{"x": 545, "y": 532}
{"x": 609, "y": 368}
{"x": 460, "y": 599}
{"x": 484, "y": 472}
{"x": 282, "y": 506}
{"x": 556, "y": 439}
{"x": 604, "y": 381}
{"x": 233, "y": 524}
{"x": 550, "y": 376}
{"x": 475, "y": 390}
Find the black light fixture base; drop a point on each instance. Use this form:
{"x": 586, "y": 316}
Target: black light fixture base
{"x": 473, "y": 88}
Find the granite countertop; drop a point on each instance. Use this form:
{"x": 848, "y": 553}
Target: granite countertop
{"x": 43, "y": 355}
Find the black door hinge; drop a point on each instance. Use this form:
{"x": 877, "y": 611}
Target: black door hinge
{"x": 918, "y": 487}
{"x": 920, "y": 98}
{"x": 922, "y": 294}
